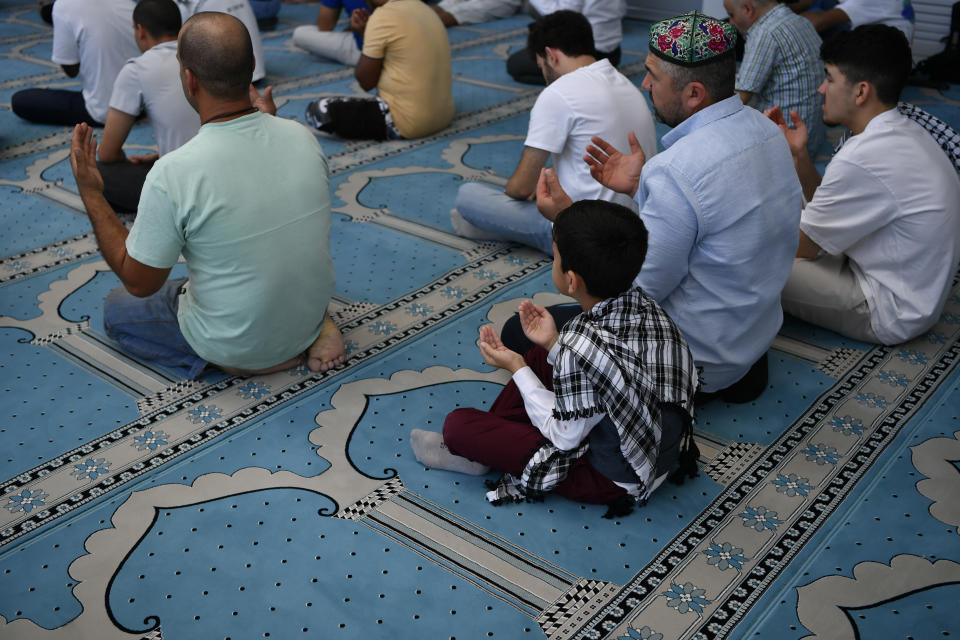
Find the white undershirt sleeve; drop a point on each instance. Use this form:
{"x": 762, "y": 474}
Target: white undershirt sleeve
{"x": 540, "y": 402}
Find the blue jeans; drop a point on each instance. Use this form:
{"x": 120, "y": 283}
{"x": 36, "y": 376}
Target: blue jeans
{"x": 489, "y": 208}
{"x": 148, "y": 328}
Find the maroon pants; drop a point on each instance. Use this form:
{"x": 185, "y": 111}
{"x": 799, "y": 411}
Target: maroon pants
{"x": 505, "y": 439}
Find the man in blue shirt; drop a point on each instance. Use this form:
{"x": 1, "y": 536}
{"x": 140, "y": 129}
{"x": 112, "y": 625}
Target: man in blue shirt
{"x": 341, "y": 46}
{"x": 722, "y": 204}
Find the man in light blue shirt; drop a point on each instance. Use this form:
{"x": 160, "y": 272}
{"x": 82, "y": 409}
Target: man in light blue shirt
{"x": 722, "y": 204}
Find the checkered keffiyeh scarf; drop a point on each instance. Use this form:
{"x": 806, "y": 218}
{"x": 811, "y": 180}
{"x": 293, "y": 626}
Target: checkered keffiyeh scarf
{"x": 623, "y": 358}
{"x": 946, "y": 136}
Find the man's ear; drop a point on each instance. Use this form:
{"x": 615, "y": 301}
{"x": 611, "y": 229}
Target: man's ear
{"x": 191, "y": 82}
{"x": 552, "y": 56}
{"x": 862, "y": 92}
{"x": 694, "y": 95}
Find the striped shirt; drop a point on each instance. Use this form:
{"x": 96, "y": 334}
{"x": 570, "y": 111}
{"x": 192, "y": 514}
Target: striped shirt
{"x": 781, "y": 66}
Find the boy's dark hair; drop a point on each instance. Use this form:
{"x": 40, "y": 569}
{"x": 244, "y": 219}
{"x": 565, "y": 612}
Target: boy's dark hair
{"x": 602, "y": 242}
{"x": 874, "y": 53}
{"x": 567, "y": 31}
{"x": 161, "y": 18}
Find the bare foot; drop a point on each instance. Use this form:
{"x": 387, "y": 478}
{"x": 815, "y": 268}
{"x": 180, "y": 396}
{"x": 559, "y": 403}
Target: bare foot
{"x": 328, "y": 350}
{"x": 296, "y": 361}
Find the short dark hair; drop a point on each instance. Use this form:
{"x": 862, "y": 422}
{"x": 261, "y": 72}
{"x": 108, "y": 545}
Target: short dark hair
{"x": 161, "y": 18}
{"x": 718, "y": 76}
{"x": 216, "y": 47}
{"x": 567, "y": 31}
{"x": 602, "y": 242}
{"x": 874, "y": 53}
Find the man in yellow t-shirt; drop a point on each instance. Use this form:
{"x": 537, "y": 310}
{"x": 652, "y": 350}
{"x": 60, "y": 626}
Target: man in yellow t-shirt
{"x": 406, "y": 56}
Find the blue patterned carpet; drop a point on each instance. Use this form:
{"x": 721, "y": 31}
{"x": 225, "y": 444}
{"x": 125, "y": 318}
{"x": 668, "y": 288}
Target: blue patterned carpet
{"x": 134, "y": 504}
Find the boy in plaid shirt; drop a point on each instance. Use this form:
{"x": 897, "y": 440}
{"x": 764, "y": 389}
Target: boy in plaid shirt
{"x": 596, "y": 411}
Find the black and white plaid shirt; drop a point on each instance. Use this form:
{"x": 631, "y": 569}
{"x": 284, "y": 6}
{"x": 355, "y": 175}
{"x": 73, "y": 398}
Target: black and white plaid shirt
{"x": 624, "y": 358}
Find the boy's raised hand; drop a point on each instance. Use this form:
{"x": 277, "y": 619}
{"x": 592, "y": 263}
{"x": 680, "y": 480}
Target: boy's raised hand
{"x": 494, "y": 353}
{"x": 537, "y": 324}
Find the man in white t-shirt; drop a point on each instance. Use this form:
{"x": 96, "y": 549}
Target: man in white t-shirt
{"x": 605, "y": 17}
{"x": 830, "y": 17}
{"x": 92, "y": 40}
{"x": 585, "y": 98}
{"x": 149, "y": 82}
{"x": 880, "y": 235}
{"x": 242, "y": 11}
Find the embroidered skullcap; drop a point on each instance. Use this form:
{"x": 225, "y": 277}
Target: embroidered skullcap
{"x": 692, "y": 39}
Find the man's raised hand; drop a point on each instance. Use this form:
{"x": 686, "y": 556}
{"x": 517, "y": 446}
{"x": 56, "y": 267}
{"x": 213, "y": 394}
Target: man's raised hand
{"x": 797, "y": 137}
{"x": 264, "y": 103}
{"x": 613, "y": 169}
{"x": 551, "y": 198}
{"x": 83, "y": 160}
{"x": 358, "y": 21}
{"x": 538, "y": 325}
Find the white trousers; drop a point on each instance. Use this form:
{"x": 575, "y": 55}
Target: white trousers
{"x": 333, "y": 45}
{"x": 825, "y": 292}
{"x": 473, "y": 11}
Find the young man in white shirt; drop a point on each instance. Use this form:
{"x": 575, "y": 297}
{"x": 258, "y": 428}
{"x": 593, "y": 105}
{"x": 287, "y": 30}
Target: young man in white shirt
{"x": 605, "y": 17}
{"x": 585, "y": 98}
{"x": 92, "y": 41}
{"x": 880, "y": 235}
{"x": 150, "y": 82}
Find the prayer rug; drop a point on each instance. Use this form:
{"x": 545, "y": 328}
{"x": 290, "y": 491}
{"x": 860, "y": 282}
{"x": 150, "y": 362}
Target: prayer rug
{"x": 135, "y": 504}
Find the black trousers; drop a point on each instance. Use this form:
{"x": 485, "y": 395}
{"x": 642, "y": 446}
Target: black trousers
{"x": 52, "y": 106}
{"x": 522, "y": 67}
{"x": 122, "y": 184}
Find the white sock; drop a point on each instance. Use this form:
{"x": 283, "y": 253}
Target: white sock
{"x": 465, "y": 229}
{"x": 430, "y": 450}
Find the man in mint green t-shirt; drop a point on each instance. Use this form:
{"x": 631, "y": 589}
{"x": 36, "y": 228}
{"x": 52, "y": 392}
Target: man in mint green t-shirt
{"x": 247, "y": 204}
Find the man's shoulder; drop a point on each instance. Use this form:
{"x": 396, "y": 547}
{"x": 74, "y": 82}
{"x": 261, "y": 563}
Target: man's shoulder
{"x": 745, "y": 133}
{"x": 401, "y": 14}
{"x": 594, "y": 79}
{"x": 885, "y": 143}
{"x": 209, "y": 144}
{"x": 163, "y": 56}
{"x": 67, "y": 12}
{"x": 84, "y": 11}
